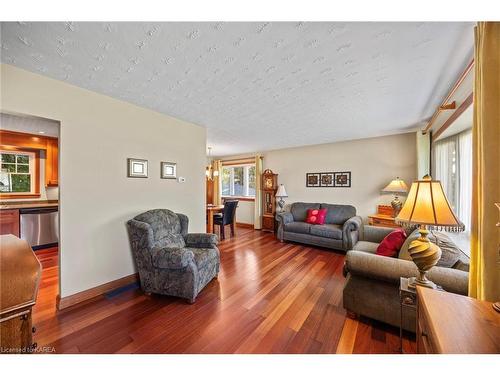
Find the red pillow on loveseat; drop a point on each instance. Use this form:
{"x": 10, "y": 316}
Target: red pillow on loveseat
{"x": 316, "y": 216}
{"x": 392, "y": 243}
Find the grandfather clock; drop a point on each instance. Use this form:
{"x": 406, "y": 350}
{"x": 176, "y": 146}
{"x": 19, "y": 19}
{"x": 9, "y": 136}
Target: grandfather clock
{"x": 269, "y": 187}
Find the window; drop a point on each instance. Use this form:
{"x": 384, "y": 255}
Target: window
{"x": 17, "y": 173}
{"x": 238, "y": 180}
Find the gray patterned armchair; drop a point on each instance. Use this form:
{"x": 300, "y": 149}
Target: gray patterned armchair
{"x": 170, "y": 260}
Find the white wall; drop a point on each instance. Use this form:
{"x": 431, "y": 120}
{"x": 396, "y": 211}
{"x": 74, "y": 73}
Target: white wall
{"x": 245, "y": 212}
{"x": 97, "y": 135}
{"x": 373, "y": 163}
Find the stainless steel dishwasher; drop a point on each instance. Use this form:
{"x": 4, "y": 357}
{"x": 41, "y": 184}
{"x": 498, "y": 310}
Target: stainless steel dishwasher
{"x": 40, "y": 226}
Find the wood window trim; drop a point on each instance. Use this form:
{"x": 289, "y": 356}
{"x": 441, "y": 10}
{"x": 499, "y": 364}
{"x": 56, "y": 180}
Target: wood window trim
{"x": 36, "y": 193}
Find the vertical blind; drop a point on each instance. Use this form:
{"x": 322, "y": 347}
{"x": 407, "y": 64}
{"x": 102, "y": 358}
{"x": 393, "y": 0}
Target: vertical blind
{"x": 452, "y": 165}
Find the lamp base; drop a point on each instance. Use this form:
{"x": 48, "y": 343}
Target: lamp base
{"x": 397, "y": 205}
{"x": 281, "y": 204}
{"x": 414, "y": 281}
{"x": 496, "y": 306}
{"x": 425, "y": 255}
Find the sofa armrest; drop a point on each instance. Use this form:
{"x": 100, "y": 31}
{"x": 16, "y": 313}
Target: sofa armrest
{"x": 201, "y": 240}
{"x": 390, "y": 270}
{"x": 350, "y": 232}
{"x": 171, "y": 258}
{"x": 375, "y": 234}
{"x": 284, "y": 217}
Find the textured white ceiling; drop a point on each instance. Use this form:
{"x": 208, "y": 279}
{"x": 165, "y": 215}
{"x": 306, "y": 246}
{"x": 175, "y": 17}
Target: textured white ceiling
{"x": 257, "y": 86}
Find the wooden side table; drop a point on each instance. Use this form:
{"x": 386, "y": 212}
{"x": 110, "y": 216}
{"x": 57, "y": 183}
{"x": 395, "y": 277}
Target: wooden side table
{"x": 383, "y": 218}
{"x": 407, "y": 301}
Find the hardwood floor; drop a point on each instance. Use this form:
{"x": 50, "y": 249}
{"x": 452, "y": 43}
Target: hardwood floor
{"x": 270, "y": 297}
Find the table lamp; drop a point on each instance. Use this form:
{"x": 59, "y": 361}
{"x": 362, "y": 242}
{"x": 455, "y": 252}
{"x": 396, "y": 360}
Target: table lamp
{"x": 281, "y": 193}
{"x": 427, "y": 206}
{"x": 396, "y": 187}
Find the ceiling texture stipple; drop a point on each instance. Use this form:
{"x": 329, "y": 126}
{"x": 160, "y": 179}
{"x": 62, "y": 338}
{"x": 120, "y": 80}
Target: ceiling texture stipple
{"x": 256, "y": 86}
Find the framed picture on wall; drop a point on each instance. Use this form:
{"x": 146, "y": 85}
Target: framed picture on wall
{"x": 168, "y": 170}
{"x": 137, "y": 168}
{"x": 342, "y": 179}
{"x": 326, "y": 179}
{"x": 313, "y": 179}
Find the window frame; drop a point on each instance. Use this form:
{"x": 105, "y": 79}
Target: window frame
{"x": 246, "y": 169}
{"x": 35, "y": 173}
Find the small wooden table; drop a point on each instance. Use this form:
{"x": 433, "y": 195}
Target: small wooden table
{"x": 383, "y": 218}
{"x": 453, "y": 324}
{"x": 211, "y": 210}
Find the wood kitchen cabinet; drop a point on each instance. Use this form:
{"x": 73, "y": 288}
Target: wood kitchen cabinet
{"x": 52, "y": 162}
{"x": 9, "y": 222}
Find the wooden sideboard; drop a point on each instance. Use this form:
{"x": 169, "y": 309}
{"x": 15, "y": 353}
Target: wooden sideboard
{"x": 449, "y": 323}
{"x": 383, "y": 218}
{"x": 19, "y": 279}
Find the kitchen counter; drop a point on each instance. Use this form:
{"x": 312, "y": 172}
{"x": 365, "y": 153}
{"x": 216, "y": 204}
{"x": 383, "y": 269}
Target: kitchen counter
{"x": 34, "y": 204}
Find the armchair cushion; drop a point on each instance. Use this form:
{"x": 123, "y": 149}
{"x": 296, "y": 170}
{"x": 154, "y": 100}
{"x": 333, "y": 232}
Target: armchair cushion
{"x": 171, "y": 258}
{"x": 365, "y": 246}
{"x": 201, "y": 240}
{"x": 202, "y": 257}
{"x": 171, "y": 240}
{"x": 327, "y": 230}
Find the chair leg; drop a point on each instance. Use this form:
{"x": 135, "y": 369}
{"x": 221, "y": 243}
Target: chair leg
{"x": 232, "y": 229}
{"x": 192, "y": 300}
{"x": 222, "y": 232}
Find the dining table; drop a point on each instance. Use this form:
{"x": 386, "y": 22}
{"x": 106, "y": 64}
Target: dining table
{"x": 211, "y": 210}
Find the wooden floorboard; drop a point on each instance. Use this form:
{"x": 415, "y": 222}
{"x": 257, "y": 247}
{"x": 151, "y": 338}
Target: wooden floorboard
{"x": 270, "y": 297}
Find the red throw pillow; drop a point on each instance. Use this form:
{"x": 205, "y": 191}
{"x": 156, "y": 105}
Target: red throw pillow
{"x": 392, "y": 243}
{"x": 316, "y": 217}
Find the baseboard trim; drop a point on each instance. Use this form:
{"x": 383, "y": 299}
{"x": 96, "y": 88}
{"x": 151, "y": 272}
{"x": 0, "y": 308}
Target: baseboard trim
{"x": 245, "y": 225}
{"x": 74, "y": 299}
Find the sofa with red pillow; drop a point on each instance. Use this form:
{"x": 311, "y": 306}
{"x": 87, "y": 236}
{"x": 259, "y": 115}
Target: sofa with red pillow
{"x": 333, "y": 226}
{"x": 372, "y": 280}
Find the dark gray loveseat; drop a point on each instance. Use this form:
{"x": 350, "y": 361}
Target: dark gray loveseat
{"x": 340, "y": 231}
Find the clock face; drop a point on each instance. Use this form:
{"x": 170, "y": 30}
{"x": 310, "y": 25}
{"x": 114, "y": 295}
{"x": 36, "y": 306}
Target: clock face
{"x": 268, "y": 182}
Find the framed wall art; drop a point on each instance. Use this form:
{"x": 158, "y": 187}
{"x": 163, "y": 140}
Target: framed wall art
{"x": 312, "y": 179}
{"x": 328, "y": 179}
{"x": 137, "y": 168}
{"x": 168, "y": 170}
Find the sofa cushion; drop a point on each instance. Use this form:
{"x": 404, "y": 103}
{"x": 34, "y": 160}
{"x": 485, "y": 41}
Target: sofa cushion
{"x": 299, "y": 210}
{"x": 366, "y": 246}
{"x": 338, "y": 213}
{"x": 391, "y": 244}
{"x": 316, "y": 217}
{"x": 298, "y": 227}
{"x": 450, "y": 252}
{"x": 327, "y": 231}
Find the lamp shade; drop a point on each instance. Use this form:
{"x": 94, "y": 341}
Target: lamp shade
{"x": 427, "y": 204}
{"x": 281, "y": 193}
{"x": 396, "y": 186}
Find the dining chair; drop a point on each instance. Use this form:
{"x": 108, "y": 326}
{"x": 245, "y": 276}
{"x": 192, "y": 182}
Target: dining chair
{"x": 227, "y": 217}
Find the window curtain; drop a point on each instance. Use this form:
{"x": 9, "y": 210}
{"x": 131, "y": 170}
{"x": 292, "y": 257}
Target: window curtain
{"x": 258, "y": 192}
{"x": 444, "y": 153}
{"x": 465, "y": 178}
{"x": 484, "y": 276}
{"x": 217, "y": 166}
